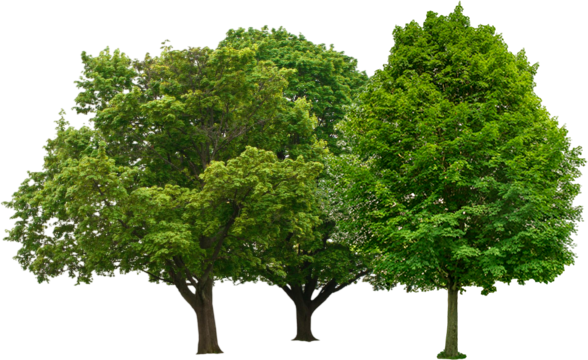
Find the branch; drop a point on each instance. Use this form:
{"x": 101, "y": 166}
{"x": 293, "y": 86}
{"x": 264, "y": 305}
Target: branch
{"x": 221, "y": 239}
{"x": 328, "y": 286}
{"x": 182, "y": 287}
{"x": 310, "y": 285}
{"x": 288, "y": 291}
{"x": 189, "y": 276}
{"x": 157, "y": 277}
{"x": 331, "y": 289}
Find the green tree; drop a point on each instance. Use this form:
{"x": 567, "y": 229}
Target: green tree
{"x": 320, "y": 260}
{"x": 167, "y": 181}
{"x": 465, "y": 178}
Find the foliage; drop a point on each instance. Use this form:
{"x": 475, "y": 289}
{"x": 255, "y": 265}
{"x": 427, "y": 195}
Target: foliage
{"x": 464, "y": 177}
{"x": 324, "y": 259}
{"x": 103, "y": 221}
{"x": 167, "y": 181}
{"x": 328, "y": 79}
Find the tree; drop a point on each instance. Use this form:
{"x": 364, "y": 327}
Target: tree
{"x": 167, "y": 181}
{"x": 465, "y": 178}
{"x": 323, "y": 259}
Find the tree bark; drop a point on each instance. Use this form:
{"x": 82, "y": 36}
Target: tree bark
{"x": 305, "y": 307}
{"x": 207, "y": 340}
{"x": 451, "y": 337}
{"x": 303, "y": 321}
{"x": 304, "y": 337}
{"x": 302, "y": 341}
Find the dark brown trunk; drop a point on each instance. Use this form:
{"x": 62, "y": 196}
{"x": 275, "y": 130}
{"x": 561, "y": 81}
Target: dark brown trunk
{"x": 304, "y": 337}
{"x": 302, "y": 342}
{"x": 451, "y": 337}
{"x": 200, "y": 299}
{"x": 303, "y": 322}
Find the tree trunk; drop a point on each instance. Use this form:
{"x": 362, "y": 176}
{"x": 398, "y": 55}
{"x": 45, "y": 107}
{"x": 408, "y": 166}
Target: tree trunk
{"x": 303, "y": 322}
{"x": 200, "y": 299}
{"x": 451, "y": 346}
{"x": 302, "y": 341}
{"x": 304, "y": 337}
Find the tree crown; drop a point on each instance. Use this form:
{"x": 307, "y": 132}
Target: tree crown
{"x": 167, "y": 180}
{"x": 469, "y": 180}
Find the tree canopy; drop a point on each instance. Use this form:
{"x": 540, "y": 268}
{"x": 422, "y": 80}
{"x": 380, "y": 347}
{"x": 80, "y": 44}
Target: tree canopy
{"x": 177, "y": 178}
{"x": 468, "y": 179}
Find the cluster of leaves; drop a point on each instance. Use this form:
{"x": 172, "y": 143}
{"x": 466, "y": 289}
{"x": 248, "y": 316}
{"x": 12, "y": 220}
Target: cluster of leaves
{"x": 326, "y": 78}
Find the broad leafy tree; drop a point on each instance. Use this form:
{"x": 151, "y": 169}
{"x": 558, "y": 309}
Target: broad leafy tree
{"x": 312, "y": 265}
{"x": 462, "y": 176}
{"x": 177, "y": 177}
